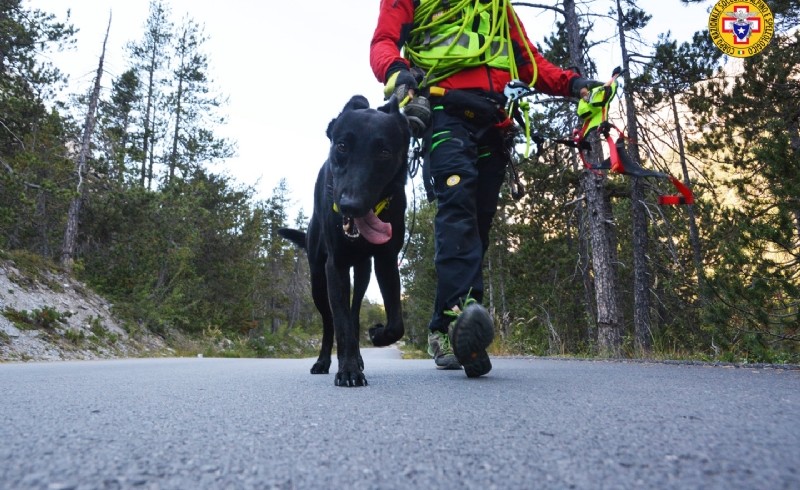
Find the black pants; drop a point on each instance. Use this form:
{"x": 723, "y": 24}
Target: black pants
{"x": 467, "y": 165}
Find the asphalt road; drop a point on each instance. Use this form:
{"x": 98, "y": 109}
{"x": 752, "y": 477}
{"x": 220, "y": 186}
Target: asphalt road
{"x": 265, "y": 423}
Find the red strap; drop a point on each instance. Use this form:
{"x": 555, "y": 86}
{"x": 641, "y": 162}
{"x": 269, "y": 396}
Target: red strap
{"x": 686, "y": 196}
{"x": 504, "y": 123}
{"x": 671, "y": 200}
{"x": 616, "y": 162}
{"x": 589, "y": 166}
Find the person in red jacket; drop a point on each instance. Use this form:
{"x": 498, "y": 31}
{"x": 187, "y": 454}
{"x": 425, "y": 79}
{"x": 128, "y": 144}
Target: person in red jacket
{"x": 457, "y": 57}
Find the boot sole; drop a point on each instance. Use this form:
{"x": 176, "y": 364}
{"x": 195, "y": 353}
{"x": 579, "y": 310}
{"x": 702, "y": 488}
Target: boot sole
{"x": 472, "y": 334}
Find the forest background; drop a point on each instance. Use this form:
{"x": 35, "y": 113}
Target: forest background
{"x": 119, "y": 184}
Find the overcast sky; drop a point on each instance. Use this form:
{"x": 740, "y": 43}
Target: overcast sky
{"x": 288, "y": 67}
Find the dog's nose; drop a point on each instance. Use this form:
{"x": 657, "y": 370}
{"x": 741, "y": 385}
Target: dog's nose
{"x": 349, "y": 205}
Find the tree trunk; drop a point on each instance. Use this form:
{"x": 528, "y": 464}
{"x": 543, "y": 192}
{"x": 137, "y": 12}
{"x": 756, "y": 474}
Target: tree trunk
{"x": 641, "y": 270}
{"x": 173, "y": 158}
{"x": 600, "y": 225}
{"x": 296, "y": 292}
{"x": 794, "y": 141}
{"x": 148, "y": 123}
{"x": 584, "y": 234}
{"x": 609, "y": 338}
{"x": 122, "y": 153}
{"x": 151, "y": 158}
{"x": 71, "y": 232}
{"x": 694, "y": 233}
{"x": 274, "y": 322}
{"x": 489, "y": 285}
{"x": 497, "y": 275}
{"x": 641, "y": 263}
{"x": 505, "y": 317}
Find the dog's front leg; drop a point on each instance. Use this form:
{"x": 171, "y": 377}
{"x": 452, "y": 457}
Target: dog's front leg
{"x": 349, "y": 373}
{"x": 388, "y": 277}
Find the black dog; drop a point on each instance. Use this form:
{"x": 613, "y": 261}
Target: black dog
{"x": 359, "y": 212}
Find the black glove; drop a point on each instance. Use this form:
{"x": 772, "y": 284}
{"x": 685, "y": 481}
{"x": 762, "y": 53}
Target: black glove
{"x": 399, "y": 81}
{"x": 418, "y": 114}
{"x": 579, "y": 83}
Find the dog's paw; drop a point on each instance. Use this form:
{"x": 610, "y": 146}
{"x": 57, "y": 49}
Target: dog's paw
{"x": 381, "y": 336}
{"x": 321, "y": 367}
{"x": 350, "y": 379}
{"x": 376, "y": 335}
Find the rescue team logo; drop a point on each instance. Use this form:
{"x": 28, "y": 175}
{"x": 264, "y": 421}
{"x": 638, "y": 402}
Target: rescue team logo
{"x": 741, "y": 28}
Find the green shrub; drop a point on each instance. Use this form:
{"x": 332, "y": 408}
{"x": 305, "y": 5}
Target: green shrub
{"x": 74, "y": 336}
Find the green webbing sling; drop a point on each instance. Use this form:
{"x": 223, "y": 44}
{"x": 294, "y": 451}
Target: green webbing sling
{"x": 445, "y": 40}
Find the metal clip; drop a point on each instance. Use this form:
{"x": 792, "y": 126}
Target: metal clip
{"x": 516, "y": 90}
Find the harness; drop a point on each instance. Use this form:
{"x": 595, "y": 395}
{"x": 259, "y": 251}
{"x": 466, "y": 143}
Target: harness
{"x": 453, "y": 35}
{"x": 593, "y": 110}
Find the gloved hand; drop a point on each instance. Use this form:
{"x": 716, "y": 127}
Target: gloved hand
{"x": 418, "y": 114}
{"x": 578, "y": 84}
{"x": 399, "y": 81}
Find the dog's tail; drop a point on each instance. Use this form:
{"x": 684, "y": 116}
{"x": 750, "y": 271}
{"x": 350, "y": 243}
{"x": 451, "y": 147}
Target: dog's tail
{"x": 296, "y": 236}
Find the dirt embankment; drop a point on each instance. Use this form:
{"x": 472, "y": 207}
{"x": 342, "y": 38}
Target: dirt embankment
{"x": 46, "y": 315}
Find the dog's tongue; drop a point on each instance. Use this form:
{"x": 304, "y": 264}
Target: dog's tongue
{"x": 373, "y": 229}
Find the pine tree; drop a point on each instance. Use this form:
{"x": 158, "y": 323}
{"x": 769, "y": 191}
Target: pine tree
{"x": 278, "y": 258}
{"x": 193, "y": 106}
{"x": 150, "y": 59}
{"x": 299, "y": 290}
{"x": 34, "y": 162}
{"x": 665, "y": 82}
{"x": 117, "y": 132}
{"x": 751, "y": 127}
{"x": 418, "y": 273}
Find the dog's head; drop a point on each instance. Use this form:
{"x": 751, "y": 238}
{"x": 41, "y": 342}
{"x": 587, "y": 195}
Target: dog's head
{"x": 368, "y": 161}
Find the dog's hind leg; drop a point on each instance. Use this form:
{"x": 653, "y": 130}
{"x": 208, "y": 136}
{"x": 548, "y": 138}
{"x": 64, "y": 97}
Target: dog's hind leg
{"x": 361, "y": 273}
{"x": 319, "y": 291}
{"x": 389, "y": 281}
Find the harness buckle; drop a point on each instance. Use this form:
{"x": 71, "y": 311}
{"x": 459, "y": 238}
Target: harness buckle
{"x": 516, "y": 90}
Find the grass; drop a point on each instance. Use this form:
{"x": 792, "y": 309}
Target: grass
{"x": 294, "y": 344}
{"x": 75, "y": 336}
{"x": 33, "y": 268}
{"x": 46, "y": 318}
{"x": 214, "y": 343}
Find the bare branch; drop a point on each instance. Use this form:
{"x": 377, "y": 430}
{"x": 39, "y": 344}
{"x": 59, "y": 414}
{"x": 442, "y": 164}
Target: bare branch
{"x": 11, "y": 171}
{"x": 538, "y": 6}
{"x": 12, "y": 134}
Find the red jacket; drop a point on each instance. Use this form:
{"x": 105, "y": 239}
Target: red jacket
{"x": 397, "y": 17}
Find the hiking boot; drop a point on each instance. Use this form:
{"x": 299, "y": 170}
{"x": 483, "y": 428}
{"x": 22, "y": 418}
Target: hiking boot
{"x": 471, "y": 333}
{"x": 439, "y": 348}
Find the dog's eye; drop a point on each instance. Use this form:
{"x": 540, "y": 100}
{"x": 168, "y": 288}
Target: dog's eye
{"x": 341, "y": 147}
{"x": 385, "y": 154}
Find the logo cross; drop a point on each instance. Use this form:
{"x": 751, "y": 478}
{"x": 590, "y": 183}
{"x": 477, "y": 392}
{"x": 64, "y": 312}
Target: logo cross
{"x": 741, "y": 24}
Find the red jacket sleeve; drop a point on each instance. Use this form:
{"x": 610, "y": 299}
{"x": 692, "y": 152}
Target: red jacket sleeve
{"x": 551, "y": 79}
{"x": 394, "y": 20}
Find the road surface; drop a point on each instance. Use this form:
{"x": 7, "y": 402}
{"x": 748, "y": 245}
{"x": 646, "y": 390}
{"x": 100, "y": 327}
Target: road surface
{"x": 268, "y": 423}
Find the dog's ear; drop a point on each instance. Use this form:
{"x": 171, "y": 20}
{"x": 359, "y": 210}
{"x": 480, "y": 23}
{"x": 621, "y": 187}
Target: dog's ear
{"x": 356, "y": 102}
{"x": 329, "y": 131}
{"x": 390, "y": 107}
